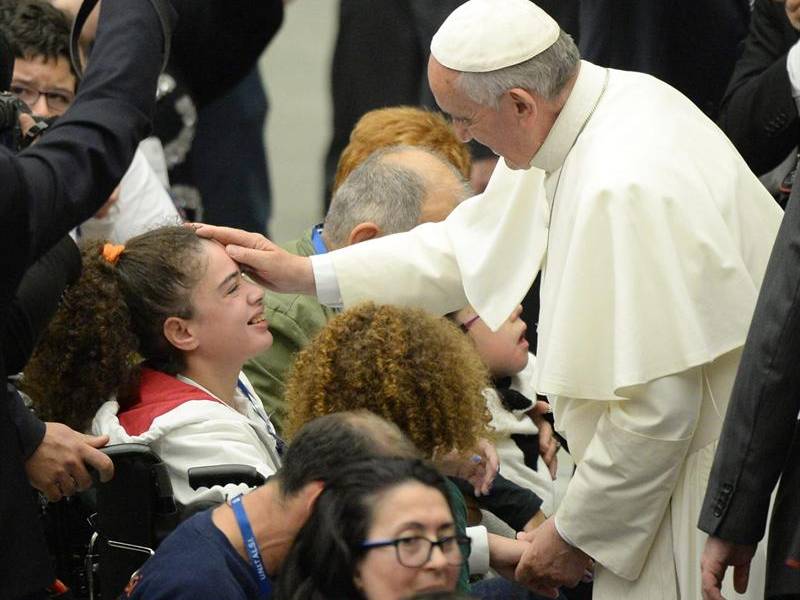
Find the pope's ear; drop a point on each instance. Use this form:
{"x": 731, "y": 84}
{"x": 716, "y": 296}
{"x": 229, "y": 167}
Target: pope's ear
{"x": 524, "y": 103}
{"x": 179, "y": 333}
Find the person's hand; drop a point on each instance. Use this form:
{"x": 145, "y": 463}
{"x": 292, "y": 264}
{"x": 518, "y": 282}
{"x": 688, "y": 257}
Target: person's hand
{"x": 793, "y": 12}
{"x": 505, "y": 554}
{"x": 264, "y": 261}
{"x": 549, "y": 561}
{"x": 25, "y": 123}
{"x": 548, "y": 444}
{"x": 481, "y": 172}
{"x": 57, "y": 468}
{"x": 478, "y": 468}
{"x": 718, "y": 555}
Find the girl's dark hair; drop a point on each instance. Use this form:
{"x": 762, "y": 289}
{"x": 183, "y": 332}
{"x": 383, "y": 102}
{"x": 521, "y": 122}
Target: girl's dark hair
{"x": 323, "y": 559}
{"x": 110, "y": 320}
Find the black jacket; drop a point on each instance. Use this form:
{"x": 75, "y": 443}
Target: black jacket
{"x": 758, "y": 112}
{"x": 759, "y": 438}
{"x": 46, "y": 191}
{"x": 689, "y": 44}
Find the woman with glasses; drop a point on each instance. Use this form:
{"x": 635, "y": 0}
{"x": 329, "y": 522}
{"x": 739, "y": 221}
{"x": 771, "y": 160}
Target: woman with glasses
{"x": 382, "y": 530}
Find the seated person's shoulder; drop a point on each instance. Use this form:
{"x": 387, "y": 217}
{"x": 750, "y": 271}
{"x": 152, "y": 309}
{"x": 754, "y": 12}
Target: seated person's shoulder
{"x": 195, "y": 562}
{"x": 304, "y": 312}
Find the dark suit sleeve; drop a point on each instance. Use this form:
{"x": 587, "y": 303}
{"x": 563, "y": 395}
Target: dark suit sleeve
{"x": 36, "y": 301}
{"x": 30, "y": 430}
{"x": 63, "y": 179}
{"x": 758, "y": 111}
{"x": 217, "y": 42}
{"x": 763, "y": 409}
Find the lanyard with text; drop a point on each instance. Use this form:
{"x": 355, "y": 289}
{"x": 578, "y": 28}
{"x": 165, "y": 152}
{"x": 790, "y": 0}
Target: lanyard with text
{"x": 250, "y": 544}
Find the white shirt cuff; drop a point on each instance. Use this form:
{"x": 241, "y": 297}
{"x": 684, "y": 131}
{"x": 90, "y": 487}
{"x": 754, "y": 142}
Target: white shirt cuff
{"x": 560, "y": 531}
{"x": 328, "y": 292}
{"x": 479, "y": 551}
{"x": 793, "y": 68}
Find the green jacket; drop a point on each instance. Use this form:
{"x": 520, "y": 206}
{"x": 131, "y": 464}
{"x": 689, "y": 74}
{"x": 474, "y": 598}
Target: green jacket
{"x": 294, "y": 319}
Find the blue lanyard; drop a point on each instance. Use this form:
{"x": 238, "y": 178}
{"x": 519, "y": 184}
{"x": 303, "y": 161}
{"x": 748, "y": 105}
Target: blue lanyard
{"x": 280, "y": 445}
{"x": 250, "y": 544}
{"x": 317, "y": 241}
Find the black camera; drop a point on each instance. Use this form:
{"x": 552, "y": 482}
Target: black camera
{"x": 11, "y": 135}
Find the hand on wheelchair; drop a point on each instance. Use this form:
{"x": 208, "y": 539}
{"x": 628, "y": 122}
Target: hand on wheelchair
{"x": 58, "y": 467}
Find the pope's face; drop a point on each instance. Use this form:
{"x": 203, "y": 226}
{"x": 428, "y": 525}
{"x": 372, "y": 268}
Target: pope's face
{"x": 501, "y": 129}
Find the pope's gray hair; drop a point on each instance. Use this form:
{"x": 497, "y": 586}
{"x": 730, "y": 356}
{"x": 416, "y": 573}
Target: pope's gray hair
{"x": 545, "y": 74}
{"x": 382, "y": 192}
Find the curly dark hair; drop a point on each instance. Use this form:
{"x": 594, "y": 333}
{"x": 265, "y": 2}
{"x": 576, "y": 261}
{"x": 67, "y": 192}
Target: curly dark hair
{"x": 110, "y": 320}
{"x": 34, "y": 28}
{"x": 339, "y": 524}
{"x": 405, "y": 365}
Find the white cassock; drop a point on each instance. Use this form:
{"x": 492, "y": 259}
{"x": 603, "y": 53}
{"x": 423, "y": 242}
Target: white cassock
{"x": 652, "y": 236}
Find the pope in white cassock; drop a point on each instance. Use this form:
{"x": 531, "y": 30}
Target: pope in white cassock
{"x": 652, "y": 237}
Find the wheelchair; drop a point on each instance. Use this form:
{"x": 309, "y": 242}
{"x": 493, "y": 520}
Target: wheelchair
{"x": 100, "y": 538}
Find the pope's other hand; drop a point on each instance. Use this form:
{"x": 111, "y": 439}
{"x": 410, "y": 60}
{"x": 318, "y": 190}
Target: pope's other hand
{"x": 550, "y": 562}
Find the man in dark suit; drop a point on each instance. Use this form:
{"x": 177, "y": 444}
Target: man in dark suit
{"x": 758, "y": 112}
{"x": 759, "y": 440}
{"x": 691, "y": 45}
{"x": 45, "y": 191}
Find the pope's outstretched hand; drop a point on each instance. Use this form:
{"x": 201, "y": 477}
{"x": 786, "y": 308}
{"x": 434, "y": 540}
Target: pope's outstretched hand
{"x": 265, "y": 262}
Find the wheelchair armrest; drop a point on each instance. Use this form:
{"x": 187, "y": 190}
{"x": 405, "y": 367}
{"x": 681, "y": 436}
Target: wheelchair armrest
{"x": 223, "y": 475}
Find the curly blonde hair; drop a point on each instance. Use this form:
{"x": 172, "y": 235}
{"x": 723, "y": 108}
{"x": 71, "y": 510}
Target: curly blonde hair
{"x": 405, "y": 365}
{"x": 406, "y": 125}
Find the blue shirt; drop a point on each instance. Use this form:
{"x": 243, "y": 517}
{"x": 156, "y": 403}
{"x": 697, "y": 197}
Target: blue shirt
{"x": 196, "y": 562}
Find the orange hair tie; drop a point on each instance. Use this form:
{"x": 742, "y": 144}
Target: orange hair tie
{"x": 111, "y": 252}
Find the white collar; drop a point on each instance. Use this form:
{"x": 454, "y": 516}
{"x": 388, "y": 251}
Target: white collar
{"x": 577, "y": 110}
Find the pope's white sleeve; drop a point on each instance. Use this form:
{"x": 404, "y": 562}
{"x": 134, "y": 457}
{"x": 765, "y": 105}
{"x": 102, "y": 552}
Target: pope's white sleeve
{"x": 620, "y": 491}
{"x": 325, "y": 281}
{"x": 415, "y": 268}
{"x": 479, "y": 550}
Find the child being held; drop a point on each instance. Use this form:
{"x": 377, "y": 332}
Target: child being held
{"x": 525, "y": 440}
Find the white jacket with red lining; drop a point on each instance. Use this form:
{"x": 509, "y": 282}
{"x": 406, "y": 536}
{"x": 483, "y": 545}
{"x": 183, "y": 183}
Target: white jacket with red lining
{"x": 187, "y": 426}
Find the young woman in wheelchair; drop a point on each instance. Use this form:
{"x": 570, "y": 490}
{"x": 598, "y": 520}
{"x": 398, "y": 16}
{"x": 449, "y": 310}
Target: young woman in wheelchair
{"x": 148, "y": 347}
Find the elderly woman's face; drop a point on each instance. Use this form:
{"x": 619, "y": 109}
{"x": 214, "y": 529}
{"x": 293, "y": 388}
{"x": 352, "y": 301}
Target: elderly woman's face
{"x": 408, "y": 510}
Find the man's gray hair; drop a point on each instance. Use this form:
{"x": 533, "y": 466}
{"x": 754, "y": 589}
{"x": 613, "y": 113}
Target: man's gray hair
{"x": 545, "y": 74}
{"x": 382, "y": 192}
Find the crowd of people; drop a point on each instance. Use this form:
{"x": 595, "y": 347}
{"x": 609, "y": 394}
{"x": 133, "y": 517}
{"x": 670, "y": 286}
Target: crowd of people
{"x": 542, "y": 344}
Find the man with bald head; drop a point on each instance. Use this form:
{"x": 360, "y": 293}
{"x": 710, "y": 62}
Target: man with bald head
{"x": 393, "y": 190}
{"x": 652, "y": 237}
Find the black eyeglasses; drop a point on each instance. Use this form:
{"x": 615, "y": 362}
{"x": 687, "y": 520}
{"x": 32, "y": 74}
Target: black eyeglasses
{"x": 415, "y": 551}
{"x": 59, "y": 101}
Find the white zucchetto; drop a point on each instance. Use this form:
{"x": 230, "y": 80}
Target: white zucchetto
{"x": 486, "y": 35}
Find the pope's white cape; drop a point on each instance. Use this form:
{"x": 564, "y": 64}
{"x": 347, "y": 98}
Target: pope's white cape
{"x": 642, "y": 246}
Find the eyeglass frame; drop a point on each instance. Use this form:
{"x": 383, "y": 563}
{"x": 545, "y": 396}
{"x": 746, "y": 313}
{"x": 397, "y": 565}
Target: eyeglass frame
{"x": 39, "y": 93}
{"x": 465, "y": 326}
{"x": 462, "y": 541}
